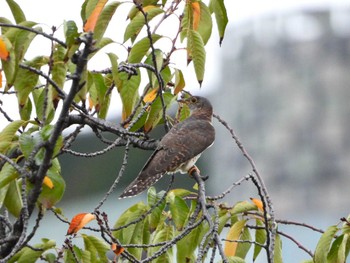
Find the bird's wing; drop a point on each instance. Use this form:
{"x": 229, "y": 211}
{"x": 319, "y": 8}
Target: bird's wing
{"x": 184, "y": 141}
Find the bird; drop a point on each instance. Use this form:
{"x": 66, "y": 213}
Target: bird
{"x": 180, "y": 148}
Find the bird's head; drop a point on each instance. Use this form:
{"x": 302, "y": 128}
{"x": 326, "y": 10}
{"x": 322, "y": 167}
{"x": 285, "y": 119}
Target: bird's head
{"x": 198, "y": 105}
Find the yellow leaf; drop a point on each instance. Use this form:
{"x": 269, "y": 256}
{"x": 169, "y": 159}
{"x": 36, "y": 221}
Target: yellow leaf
{"x": 48, "y": 182}
{"x": 196, "y": 14}
{"x": 150, "y": 96}
{"x": 4, "y": 54}
{"x": 91, "y": 21}
{"x": 258, "y": 204}
{"x": 234, "y": 234}
{"x": 79, "y": 221}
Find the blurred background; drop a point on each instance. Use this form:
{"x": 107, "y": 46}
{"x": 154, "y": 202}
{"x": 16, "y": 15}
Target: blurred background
{"x": 281, "y": 81}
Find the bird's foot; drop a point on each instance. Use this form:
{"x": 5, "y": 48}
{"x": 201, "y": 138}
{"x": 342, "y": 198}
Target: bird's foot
{"x": 194, "y": 169}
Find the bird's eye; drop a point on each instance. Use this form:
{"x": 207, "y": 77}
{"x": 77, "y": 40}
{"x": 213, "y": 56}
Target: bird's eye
{"x": 193, "y": 100}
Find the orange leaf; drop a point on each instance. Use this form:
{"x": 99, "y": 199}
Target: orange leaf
{"x": 48, "y": 182}
{"x": 79, "y": 221}
{"x": 91, "y": 21}
{"x": 117, "y": 249}
{"x": 258, "y": 204}
{"x": 150, "y": 96}
{"x": 196, "y": 14}
{"x": 4, "y": 54}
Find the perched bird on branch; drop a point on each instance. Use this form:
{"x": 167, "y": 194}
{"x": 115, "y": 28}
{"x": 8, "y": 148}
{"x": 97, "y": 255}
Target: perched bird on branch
{"x": 180, "y": 148}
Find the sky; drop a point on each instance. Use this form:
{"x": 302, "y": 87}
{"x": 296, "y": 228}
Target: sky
{"x": 50, "y": 13}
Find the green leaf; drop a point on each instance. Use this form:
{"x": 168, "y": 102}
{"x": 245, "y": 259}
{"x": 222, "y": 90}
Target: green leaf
{"x": 49, "y": 197}
{"x": 16, "y": 11}
{"x": 104, "y": 19}
{"x": 136, "y": 24}
{"x": 164, "y": 234}
{"x": 277, "y": 257}
{"x": 242, "y": 207}
{"x": 40, "y": 98}
{"x": 97, "y": 248}
{"x": 156, "y": 215}
{"x": 159, "y": 62}
{"x": 28, "y": 255}
{"x": 102, "y": 43}
{"x": 26, "y": 80}
{"x": 205, "y": 23}
{"x": 324, "y": 243}
{"x": 20, "y": 40}
{"x": 179, "y": 192}
{"x": 115, "y": 70}
{"x": 13, "y": 199}
{"x": 346, "y": 226}
{"x": 139, "y": 50}
{"x": 7, "y": 174}
{"x": 132, "y": 234}
{"x": 59, "y": 67}
{"x": 27, "y": 142}
{"x": 186, "y": 22}
{"x": 179, "y": 211}
{"x": 128, "y": 93}
{"x": 234, "y": 260}
{"x": 127, "y": 86}
{"x": 196, "y": 52}
{"x": 243, "y": 248}
{"x": 125, "y": 235}
{"x": 186, "y": 247}
{"x": 70, "y": 32}
{"x": 7, "y": 135}
{"x": 337, "y": 253}
{"x": 219, "y": 9}
{"x": 26, "y": 110}
{"x": 106, "y": 98}
{"x": 83, "y": 256}
{"x": 98, "y": 94}
{"x": 260, "y": 237}
{"x": 4, "y": 20}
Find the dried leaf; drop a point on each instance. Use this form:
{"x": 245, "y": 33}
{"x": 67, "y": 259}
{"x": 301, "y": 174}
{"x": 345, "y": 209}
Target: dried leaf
{"x": 4, "y": 53}
{"x": 117, "y": 249}
{"x": 79, "y": 221}
{"x": 259, "y": 204}
{"x": 92, "y": 20}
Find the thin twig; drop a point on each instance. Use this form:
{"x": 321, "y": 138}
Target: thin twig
{"x": 267, "y": 202}
{"x": 212, "y": 226}
{"x": 116, "y": 181}
{"x": 36, "y": 32}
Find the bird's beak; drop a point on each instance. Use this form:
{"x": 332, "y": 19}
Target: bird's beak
{"x": 184, "y": 101}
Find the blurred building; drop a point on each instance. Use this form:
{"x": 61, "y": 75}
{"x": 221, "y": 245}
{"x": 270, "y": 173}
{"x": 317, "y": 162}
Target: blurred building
{"x": 285, "y": 90}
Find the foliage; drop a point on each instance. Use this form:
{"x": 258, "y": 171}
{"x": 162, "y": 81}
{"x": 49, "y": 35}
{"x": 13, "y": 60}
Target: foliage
{"x": 59, "y": 90}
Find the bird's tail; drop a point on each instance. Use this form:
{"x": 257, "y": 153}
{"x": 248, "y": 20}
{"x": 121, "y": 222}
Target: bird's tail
{"x": 140, "y": 184}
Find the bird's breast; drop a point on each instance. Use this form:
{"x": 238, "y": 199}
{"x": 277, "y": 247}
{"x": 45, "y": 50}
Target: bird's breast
{"x": 183, "y": 168}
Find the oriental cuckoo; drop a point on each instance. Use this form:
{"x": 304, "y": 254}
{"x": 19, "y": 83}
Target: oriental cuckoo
{"x": 180, "y": 148}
